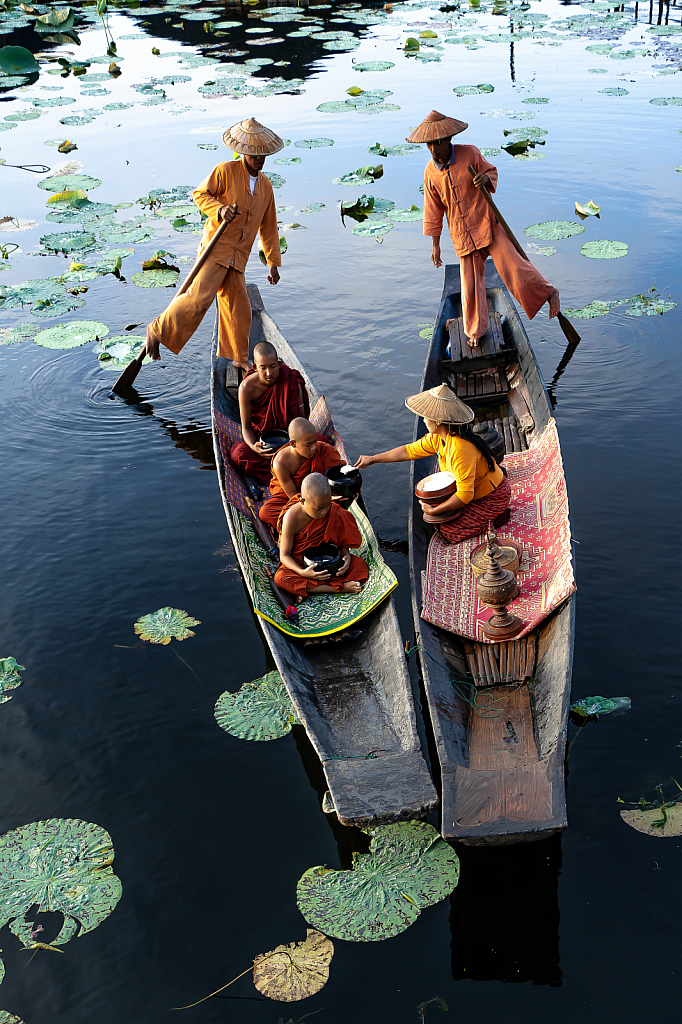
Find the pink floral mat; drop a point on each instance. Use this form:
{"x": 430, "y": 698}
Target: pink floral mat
{"x": 539, "y": 524}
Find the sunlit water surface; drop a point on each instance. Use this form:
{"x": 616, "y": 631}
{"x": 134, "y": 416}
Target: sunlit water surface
{"x": 110, "y": 509}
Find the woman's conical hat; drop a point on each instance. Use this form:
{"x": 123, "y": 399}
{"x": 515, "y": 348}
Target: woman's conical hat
{"x": 441, "y": 405}
{"x": 250, "y": 138}
{"x": 436, "y": 126}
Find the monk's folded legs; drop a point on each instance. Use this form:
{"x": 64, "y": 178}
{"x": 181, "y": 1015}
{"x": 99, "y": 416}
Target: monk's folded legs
{"x": 352, "y": 582}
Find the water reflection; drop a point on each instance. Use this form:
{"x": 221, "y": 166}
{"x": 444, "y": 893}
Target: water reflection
{"x": 194, "y": 437}
{"x": 504, "y": 914}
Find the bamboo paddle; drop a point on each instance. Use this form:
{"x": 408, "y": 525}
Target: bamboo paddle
{"x": 565, "y": 324}
{"x": 131, "y": 371}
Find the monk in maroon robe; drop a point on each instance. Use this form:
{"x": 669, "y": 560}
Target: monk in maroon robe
{"x": 308, "y": 521}
{"x": 270, "y": 397}
{"x": 305, "y": 454}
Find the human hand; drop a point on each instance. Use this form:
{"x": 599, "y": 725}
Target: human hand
{"x": 345, "y": 565}
{"x": 364, "y": 461}
{"x": 311, "y": 574}
{"x": 228, "y": 213}
{"x": 480, "y": 180}
{"x": 259, "y": 448}
{"x": 273, "y": 276}
{"x": 152, "y": 347}
{"x": 435, "y": 255}
{"x": 429, "y": 509}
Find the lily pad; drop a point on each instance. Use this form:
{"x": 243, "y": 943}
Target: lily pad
{"x": 57, "y": 18}
{"x": 68, "y": 241}
{"x": 667, "y": 101}
{"x": 53, "y": 101}
{"x": 604, "y": 249}
{"x": 373, "y": 65}
{"x": 408, "y": 868}
{"x": 536, "y": 99}
{"x": 162, "y": 626}
{"x": 116, "y": 353}
{"x": 276, "y": 179}
{"x": 594, "y": 309}
{"x": 17, "y": 60}
{"x": 313, "y": 143}
{"x": 295, "y": 971}
{"x": 541, "y": 250}
{"x": 312, "y": 208}
{"x": 123, "y": 236}
{"x": 587, "y": 707}
{"x": 58, "y": 306}
{"x": 656, "y": 821}
{"x": 615, "y": 91}
{"x": 155, "y": 278}
{"x": 14, "y": 335}
{"x": 588, "y": 210}
{"x": 553, "y": 229}
{"x": 14, "y": 296}
{"x": 69, "y": 182}
{"x": 24, "y": 115}
{"x": 473, "y": 90}
{"x": 9, "y": 677}
{"x": 286, "y": 160}
{"x": 261, "y": 710}
{"x": 378, "y": 149}
{"x": 16, "y": 224}
{"x": 60, "y": 864}
{"x": 490, "y": 151}
{"x": 72, "y": 335}
{"x": 648, "y": 305}
{"x": 408, "y": 213}
{"x": 361, "y": 176}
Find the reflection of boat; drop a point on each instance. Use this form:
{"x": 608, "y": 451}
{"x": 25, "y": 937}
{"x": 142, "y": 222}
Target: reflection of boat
{"x": 354, "y": 695}
{"x": 504, "y": 914}
{"x": 502, "y": 774}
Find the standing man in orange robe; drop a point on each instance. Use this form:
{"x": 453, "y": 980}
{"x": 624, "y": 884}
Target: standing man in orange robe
{"x": 270, "y": 396}
{"x": 305, "y": 454}
{"x": 308, "y": 521}
{"x": 237, "y": 192}
{"x": 476, "y": 234}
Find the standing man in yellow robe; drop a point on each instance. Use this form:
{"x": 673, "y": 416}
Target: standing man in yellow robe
{"x": 237, "y": 192}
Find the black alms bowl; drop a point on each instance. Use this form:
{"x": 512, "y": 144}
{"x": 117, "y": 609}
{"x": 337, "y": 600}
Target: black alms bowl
{"x": 274, "y": 440}
{"x": 344, "y": 485}
{"x": 327, "y": 557}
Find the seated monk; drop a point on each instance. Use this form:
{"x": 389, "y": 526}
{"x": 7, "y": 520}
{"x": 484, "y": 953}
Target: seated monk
{"x": 270, "y": 397}
{"x": 308, "y": 521}
{"x": 304, "y": 454}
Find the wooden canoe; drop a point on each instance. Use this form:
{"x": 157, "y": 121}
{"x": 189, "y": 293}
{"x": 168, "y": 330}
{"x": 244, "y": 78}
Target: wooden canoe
{"x": 354, "y": 697}
{"x": 502, "y": 779}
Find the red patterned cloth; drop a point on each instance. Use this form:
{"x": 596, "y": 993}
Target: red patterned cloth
{"x": 477, "y": 514}
{"x": 539, "y": 524}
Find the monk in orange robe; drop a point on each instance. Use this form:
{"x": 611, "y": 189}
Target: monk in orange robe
{"x": 450, "y": 191}
{"x": 308, "y": 521}
{"x": 270, "y": 397}
{"x": 238, "y": 192}
{"x": 304, "y": 454}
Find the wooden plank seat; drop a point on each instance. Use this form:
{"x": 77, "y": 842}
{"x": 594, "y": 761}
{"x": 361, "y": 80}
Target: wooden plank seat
{"x": 492, "y": 346}
{"x": 483, "y": 385}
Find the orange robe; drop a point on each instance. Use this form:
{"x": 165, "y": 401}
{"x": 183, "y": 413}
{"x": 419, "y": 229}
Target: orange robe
{"x": 325, "y": 456}
{"x": 273, "y": 410}
{"x": 338, "y": 527}
{"x": 222, "y": 276}
{"x": 476, "y": 234}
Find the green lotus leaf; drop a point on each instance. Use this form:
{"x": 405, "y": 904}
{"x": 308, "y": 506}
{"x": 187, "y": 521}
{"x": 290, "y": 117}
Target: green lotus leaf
{"x": 60, "y": 864}
{"x": 5, "y": 1016}
{"x": 11, "y": 82}
{"x": 116, "y": 353}
{"x": 17, "y": 60}
{"x": 14, "y": 296}
{"x": 78, "y": 276}
{"x": 588, "y": 209}
{"x": 361, "y": 176}
{"x": 58, "y": 306}
{"x": 313, "y": 143}
{"x": 529, "y": 156}
{"x": 294, "y": 971}
{"x": 515, "y": 115}
{"x": 14, "y": 335}
{"x": 536, "y": 99}
{"x": 60, "y": 18}
{"x": 373, "y": 65}
{"x": 490, "y": 151}
{"x": 623, "y": 55}
{"x": 276, "y": 179}
{"x": 374, "y": 228}
{"x": 9, "y": 677}
{"x": 408, "y": 868}
{"x": 401, "y": 150}
{"x": 406, "y": 214}
{"x": 604, "y": 249}
{"x": 286, "y": 160}
{"x": 667, "y": 101}
{"x": 118, "y": 106}
{"x": 52, "y": 101}
{"x": 68, "y": 241}
{"x": 72, "y": 335}
{"x": 597, "y": 71}
{"x": 261, "y": 710}
{"x": 600, "y": 48}
{"x": 312, "y": 208}
{"x": 24, "y": 115}
{"x": 615, "y": 91}
{"x": 122, "y": 236}
{"x": 473, "y": 90}
{"x": 67, "y": 198}
{"x": 162, "y": 626}
{"x": 530, "y": 134}
{"x": 594, "y": 309}
{"x": 155, "y": 278}
{"x": 69, "y": 183}
{"x": 656, "y": 821}
{"x": 541, "y": 250}
{"x": 648, "y": 305}
{"x": 586, "y": 707}
{"x": 553, "y": 229}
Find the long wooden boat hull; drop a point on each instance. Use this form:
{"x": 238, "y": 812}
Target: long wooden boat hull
{"x": 353, "y": 697}
{"x": 502, "y": 778}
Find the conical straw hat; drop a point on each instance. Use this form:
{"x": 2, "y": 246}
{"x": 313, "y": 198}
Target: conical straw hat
{"x": 250, "y": 138}
{"x": 441, "y": 405}
{"x": 436, "y": 126}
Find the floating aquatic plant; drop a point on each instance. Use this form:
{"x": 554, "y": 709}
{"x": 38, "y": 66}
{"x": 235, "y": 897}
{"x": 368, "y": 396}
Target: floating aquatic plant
{"x": 604, "y": 249}
{"x": 541, "y": 250}
{"x": 361, "y": 176}
{"x": 373, "y": 65}
{"x": 164, "y": 625}
{"x": 165, "y": 278}
{"x": 588, "y": 210}
{"x": 587, "y": 707}
{"x": 408, "y": 868}
{"x": 312, "y": 208}
{"x": 313, "y": 143}
{"x": 69, "y": 182}
{"x": 72, "y": 335}
{"x": 68, "y": 241}
{"x": 17, "y": 60}
{"x": 473, "y": 90}
{"x": 9, "y": 677}
{"x": 260, "y": 710}
{"x": 116, "y": 353}
{"x": 378, "y": 149}
{"x": 554, "y": 229}
{"x": 294, "y": 971}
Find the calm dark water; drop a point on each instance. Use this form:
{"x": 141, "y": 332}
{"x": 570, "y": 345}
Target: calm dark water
{"x": 110, "y": 509}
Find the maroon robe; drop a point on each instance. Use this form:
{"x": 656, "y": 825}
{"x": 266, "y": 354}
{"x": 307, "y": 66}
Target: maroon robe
{"x": 273, "y": 410}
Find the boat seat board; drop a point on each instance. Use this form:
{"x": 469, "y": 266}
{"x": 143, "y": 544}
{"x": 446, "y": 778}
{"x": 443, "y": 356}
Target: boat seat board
{"x": 505, "y": 740}
{"x": 368, "y": 790}
{"x": 490, "y": 346}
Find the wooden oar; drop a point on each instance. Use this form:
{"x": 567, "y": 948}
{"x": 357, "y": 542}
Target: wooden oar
{"x": 131, "y": 371}
{"x": 565, "y": 324}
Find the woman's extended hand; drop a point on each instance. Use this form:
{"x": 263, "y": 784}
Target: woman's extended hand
{"x": 364, "y": 461}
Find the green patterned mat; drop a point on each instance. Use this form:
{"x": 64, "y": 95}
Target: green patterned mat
{"x": 324, "y": 613}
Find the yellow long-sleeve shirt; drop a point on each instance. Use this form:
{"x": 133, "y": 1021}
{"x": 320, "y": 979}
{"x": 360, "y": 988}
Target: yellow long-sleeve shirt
{"x": 463, "y": 459}
{"x": 228, "y": 183}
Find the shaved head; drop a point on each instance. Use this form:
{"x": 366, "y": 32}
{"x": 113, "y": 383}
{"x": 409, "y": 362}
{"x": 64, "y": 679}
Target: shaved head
{"x": 301, "y": 428}
{"x": 315, "y": 488}
{"x": 265, "y": 350}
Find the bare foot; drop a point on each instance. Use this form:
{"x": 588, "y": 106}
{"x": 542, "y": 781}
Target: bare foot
{"x": 554, "y": 304}
{"x": 352, "y": 587}
{"x": 242, "y": 366}
{"x": 473, "y": 342}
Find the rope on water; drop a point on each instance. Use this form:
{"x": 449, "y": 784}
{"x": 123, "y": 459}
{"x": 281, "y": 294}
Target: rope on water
{"x": 482, "y": 710}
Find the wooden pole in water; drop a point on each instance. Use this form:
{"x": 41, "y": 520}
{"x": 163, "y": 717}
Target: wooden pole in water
{"x": 565, "y": 324}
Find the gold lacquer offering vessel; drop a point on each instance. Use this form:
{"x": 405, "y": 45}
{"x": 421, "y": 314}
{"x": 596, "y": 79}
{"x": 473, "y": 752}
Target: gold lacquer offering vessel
{"x": 507, "y": 554}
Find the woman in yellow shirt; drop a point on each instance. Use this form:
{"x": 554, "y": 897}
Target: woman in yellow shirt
{"x": 483, "y": 491}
